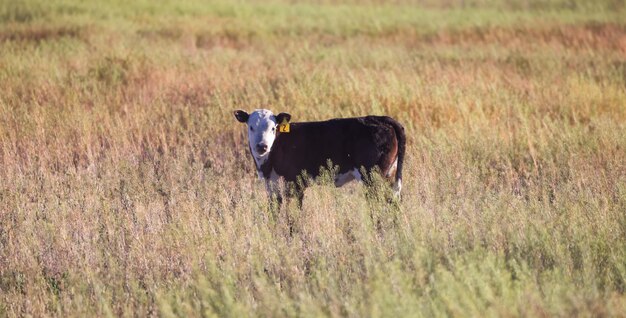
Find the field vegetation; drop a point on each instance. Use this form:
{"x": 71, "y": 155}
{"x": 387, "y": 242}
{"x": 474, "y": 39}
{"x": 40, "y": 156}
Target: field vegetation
{"x": 126, "y": 187}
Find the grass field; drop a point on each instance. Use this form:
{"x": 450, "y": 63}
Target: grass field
{"x": 126, "y": 187}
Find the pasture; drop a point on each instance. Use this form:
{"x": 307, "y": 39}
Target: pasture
{"x": 127, "y": 189}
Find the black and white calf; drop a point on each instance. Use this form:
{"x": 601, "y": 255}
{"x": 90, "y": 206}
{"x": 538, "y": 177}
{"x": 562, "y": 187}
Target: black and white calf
{"x": 350, "y": 143}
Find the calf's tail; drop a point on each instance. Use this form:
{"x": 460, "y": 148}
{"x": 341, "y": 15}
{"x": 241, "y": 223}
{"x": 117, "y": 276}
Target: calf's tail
{"x": 401, "y": 137}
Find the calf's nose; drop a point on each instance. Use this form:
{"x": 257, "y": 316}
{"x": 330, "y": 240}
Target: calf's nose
{"x": 261, "y": 148}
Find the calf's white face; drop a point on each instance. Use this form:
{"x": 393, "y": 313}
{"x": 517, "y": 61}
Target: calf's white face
{"x": 262, "y": 130}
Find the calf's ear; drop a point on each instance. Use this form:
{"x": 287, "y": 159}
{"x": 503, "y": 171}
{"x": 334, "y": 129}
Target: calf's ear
{"x": 241, "y": 116}
{"x": 283, "y": 117}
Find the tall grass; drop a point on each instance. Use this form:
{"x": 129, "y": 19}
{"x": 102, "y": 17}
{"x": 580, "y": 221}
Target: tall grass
{"x": 126, "y": 187}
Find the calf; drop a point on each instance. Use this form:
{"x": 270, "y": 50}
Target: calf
{"x": 284, "y": 150}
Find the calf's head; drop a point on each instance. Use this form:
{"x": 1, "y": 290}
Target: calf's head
{"x": 262, "y": 130}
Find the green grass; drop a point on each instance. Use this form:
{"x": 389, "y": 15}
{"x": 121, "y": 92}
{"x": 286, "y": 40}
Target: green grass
{"x": 126, "y": 187}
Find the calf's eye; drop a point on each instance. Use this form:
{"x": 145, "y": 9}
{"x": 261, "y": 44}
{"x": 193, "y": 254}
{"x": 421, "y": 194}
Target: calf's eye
{"x": 251, "y": 129}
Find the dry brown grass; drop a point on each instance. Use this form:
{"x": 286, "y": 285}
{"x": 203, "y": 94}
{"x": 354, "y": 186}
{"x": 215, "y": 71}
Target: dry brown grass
{"x": 126, "y": 187}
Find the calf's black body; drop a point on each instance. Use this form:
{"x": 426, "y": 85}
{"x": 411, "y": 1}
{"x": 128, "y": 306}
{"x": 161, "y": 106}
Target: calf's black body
{"x": 350, "y": 143}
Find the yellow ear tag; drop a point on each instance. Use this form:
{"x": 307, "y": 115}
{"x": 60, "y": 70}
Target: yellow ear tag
{"x": 284, "y": 126}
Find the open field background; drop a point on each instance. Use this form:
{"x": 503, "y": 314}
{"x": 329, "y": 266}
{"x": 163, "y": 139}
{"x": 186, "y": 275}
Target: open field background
{"x": 126, "y": 187}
